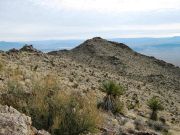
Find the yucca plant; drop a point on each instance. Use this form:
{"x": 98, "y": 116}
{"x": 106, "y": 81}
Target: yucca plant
{"x": 155, "y": 105}
{"x": 113, "y": 91}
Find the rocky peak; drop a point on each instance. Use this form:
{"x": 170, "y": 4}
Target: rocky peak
{"x": 13, "y": 50}
{"x": 100, "y": 46}
{"x": 29, "y": 48}
{"x": 101, "y": 41}
{"x": 96, "y": 39}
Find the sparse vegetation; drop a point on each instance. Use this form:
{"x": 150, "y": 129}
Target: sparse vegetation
{"x": 60, "y": 94}
{"x": 158, "y": 126}
{"x": 139, "y": 124}
{"x": 155, "y": 105}
{"x": 111, "y": 101}
{"x": 76, "y": 116}
{"x": 1, "y": 66}
{"x": 15, "y": 95}
{"x": 119, "y": 107}
{"x": 51, "y": 109}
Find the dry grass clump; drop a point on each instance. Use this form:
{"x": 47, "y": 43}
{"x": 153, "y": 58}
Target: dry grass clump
{"x": 75, "y": 115}
{"x": 52, "y": 109}
{"x": 15, "y": 95}
{"x": 39, "y": 105}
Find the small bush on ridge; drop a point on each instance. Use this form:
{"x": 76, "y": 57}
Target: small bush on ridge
{"x": 111, "y": 101}
{"x": 155, "y": 105}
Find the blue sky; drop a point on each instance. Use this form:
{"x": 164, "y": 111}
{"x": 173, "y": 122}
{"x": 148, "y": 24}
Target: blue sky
{"x": 24, "y": 20}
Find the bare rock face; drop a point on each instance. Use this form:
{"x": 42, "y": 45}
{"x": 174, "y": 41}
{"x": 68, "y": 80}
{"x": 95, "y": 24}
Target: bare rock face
{"x": 13, "y": 122}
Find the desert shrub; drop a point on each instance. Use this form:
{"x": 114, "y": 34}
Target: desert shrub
{"x": 155, "y": 105}
{"x": 1, "y": 66}
{"x": 34, "y": 103}
{"x": 51, "y": 109}
{"x": 158, "y": 126}
{"x": 119, "y": 107}
{"x": 76, "y": 116}
{"x": 15, "y": 96}
{"x": 134, "y": 103}
{"x": 111, "y": 101}
{"x": 39, "y": 106}
{"x": 112, "y": 88}
{"x": 39, "y": 103}
{"x": 139, "y": 124}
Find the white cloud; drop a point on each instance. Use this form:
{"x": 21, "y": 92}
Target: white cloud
{"x": 115, "y": 6}
{"x": 54, "y": 19}
{"x": 45, "y": 31}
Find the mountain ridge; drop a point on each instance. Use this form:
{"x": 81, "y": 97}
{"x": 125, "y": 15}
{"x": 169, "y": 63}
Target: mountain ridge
{"x": 84, "y": 69}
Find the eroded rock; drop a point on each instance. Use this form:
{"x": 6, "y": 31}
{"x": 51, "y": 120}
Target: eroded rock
{"x": 13, "y": 122}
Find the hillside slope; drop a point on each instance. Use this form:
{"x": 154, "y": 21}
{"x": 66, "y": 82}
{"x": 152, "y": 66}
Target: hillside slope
{"x": 119, "y": 59}
{"x": 84, "y": 68}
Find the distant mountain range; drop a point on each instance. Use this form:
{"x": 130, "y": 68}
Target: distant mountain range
{"x": 163, "y": 48}
{"x": 44, "y": 45}
{"x": 137, "y": 43}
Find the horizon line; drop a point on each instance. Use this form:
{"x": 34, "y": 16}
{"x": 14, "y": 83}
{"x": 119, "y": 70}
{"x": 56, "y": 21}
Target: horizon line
{"x": 78, "y": 39}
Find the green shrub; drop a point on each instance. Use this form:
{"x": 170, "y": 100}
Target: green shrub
{"x": 112, "y": 88}
{"x": 155, "y": 105}
{"x": 111, "y": 101}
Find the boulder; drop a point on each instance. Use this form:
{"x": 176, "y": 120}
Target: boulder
{"x": 13, "y": 122}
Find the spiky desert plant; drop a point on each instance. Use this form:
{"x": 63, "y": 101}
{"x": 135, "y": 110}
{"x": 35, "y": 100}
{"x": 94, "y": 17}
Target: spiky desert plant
{"x": 112, "y": 90}
{"x": 155, "y": 105}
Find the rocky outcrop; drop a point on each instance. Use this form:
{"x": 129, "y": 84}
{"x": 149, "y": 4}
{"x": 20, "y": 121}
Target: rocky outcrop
{"x": 13, "y": 122}
{"x": 13, "y": 51}
{"x": 29, "y": 48}
{"x": 25, "y": 48}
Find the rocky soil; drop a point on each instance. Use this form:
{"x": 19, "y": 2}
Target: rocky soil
{"x": 83, "y": 69}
